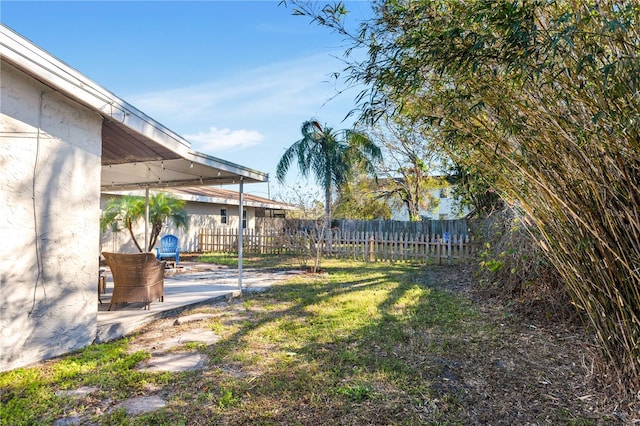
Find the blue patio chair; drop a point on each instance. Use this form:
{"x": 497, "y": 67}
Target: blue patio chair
{"x": 168, "y": 248}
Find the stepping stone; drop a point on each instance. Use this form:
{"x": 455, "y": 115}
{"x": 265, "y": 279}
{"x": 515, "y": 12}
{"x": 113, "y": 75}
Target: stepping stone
{"x": 68, "y": 421}
{"x": 256, "y": 289}
{"x": 174, "y": 362}
{"x": 142, "y": 405}
{"x": 199, "y": 335}
{"x": 81, "y": 391}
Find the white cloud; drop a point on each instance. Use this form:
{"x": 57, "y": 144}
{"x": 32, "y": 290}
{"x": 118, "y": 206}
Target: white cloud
{"x": 266, "y": 94}
{"x": 253, "y": 115}
{"x": 217, "y": 140}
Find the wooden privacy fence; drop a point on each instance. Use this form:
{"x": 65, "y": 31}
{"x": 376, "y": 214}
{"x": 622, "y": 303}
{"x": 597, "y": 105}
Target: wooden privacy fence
{"x": 400, "y": 247}
{"x": 426, "y": 227}
{"x": 366, "y": 246}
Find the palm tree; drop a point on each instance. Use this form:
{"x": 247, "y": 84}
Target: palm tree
{"x": 123, "y": 211}
{"x": 127, "y": 210}
{"x": 331, "y": 156}
{"x": 162, "y": 207}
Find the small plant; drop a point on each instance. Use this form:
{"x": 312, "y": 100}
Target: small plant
{"x": 190, "y": 346}
{"x": 216, "y": 326}
{"x": 516, "y": 267}
{"x": 357, "y": 392}
{"x": 227, "y": 399}
{"x": 298, "y": 243}
{"x": 492, "y": 265}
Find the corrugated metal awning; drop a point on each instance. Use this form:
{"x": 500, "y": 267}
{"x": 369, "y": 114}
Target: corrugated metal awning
{"x": 139, "y": 152}
{"x": 133, "y": 161}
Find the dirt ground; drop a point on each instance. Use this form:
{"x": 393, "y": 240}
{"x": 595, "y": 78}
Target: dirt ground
{"x": 536, "y": 363}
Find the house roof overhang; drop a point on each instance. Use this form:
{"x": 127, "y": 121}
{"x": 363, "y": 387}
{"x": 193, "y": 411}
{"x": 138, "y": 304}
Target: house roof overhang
{"x": 137, "y": 151}
{"x": 214, "y": 195}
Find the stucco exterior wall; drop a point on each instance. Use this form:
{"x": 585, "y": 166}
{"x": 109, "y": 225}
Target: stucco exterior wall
{"x": 50, "y": 150}
{"x": 207, "y": 216}
{"x": 201, "y": 216}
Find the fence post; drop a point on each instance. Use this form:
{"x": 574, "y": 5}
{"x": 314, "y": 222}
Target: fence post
{"x": 405, "y": 239}
{"x": 372, "y": 253}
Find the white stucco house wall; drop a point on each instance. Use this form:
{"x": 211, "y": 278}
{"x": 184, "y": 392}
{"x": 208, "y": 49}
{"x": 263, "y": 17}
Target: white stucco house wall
{"x": 63, "y": 141}
{"x": 50, "y": 149}
{"x": 207, "y": 208}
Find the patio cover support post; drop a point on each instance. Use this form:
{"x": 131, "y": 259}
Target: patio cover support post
{"x": 240, "y": 232}
{"x": 146, "y": 217}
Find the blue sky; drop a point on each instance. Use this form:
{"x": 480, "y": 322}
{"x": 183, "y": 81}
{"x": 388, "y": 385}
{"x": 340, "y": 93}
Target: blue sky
{"x": 235, "y": 78}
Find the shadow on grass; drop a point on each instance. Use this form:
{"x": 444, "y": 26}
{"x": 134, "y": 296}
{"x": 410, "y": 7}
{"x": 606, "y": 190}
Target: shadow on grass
{"x": 364, "y": 340}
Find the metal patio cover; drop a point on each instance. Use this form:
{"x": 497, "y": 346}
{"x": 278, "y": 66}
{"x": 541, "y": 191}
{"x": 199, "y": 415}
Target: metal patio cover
{"x": 140, "y": 153}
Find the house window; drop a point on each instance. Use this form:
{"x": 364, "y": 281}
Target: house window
{"x": 244, "y": 219}
{"x": 223, "y": 216}
{"x": 443, "y": 193}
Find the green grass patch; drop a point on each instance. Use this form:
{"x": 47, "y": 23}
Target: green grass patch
{"x": 249, "y": 260}
{"x": 36, "y": 395}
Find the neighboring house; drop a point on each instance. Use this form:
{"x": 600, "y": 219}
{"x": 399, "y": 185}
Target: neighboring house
{"x": 63, "y": 141}
{"x": 443, "y": 205}
{"x": 448, "y": 206}
{"x": 208, "y": 208}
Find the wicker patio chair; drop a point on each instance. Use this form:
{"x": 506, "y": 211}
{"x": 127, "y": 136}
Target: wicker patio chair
{"x": 137, "y": 277}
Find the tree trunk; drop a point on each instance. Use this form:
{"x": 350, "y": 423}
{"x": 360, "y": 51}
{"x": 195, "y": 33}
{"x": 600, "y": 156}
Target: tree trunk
{"x": 133, "y": 237}
{"x": 327, "y": 216}
{"x": 155, "y": 233}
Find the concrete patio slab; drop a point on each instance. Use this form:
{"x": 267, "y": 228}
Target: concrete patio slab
{"x": 194, "y": 285}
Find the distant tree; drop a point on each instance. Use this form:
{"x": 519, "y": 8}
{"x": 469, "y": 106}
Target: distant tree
{"x": 474, "y": 191}
{"x": 331, "y": 156}
{"x": 359, "y": 198}
{"x": 411, "y": 161}
{"x": 125, "y": 211}
{"x": 306, "y": 199}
